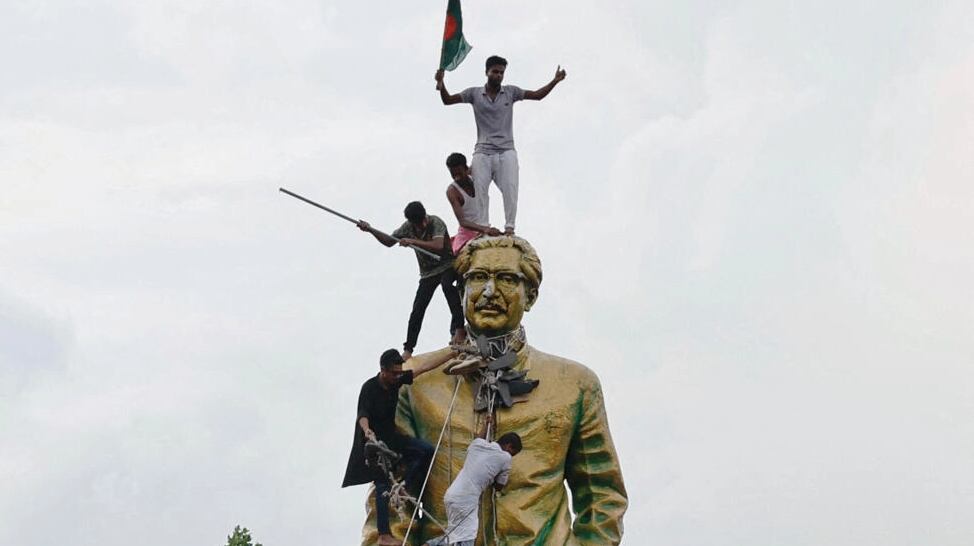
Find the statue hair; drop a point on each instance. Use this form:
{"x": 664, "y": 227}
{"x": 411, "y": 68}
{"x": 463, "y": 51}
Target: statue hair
{"x": 530, "y": 262}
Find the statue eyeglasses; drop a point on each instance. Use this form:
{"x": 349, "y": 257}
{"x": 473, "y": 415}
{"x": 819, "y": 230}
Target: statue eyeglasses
{"x": 505, "y": 280}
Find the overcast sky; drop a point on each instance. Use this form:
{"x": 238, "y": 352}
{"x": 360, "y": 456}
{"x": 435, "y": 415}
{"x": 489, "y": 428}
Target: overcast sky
{"x": 755, "y": 223}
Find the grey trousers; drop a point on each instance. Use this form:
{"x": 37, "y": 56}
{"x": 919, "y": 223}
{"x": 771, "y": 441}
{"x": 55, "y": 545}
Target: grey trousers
{"x": 502, "y": 168}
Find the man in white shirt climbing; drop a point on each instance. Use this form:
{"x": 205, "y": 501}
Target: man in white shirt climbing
{"x": 487, "y": 463}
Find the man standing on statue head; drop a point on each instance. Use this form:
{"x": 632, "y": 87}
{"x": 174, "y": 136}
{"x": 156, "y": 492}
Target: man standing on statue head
{"x": 494, "y": 156}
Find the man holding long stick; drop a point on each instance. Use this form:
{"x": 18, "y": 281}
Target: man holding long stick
{"x": 354, "y": 221}
{"x": 426, "y": 232}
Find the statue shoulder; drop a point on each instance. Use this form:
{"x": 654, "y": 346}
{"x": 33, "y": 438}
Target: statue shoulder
{"x": 564, "y": 369}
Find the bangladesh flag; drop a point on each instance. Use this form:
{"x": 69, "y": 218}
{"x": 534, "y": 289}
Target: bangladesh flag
{"x": 455, "y": 48}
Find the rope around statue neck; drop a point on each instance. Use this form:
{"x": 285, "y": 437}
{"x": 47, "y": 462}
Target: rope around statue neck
{"x": 496, "y": 346}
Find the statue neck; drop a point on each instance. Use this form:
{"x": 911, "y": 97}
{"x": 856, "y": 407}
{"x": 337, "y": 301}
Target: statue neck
{"x": 497, "y": 345}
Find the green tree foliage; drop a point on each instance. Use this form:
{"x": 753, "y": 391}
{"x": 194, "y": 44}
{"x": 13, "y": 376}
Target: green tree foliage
{"x": 241, "y": 537}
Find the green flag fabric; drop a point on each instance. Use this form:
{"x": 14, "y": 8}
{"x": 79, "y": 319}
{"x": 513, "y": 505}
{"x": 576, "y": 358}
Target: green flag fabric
{"x": 455, "y": 48}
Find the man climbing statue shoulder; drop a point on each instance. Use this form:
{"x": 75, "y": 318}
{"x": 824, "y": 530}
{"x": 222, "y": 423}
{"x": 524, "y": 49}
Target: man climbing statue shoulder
{"x": 375, "y": 422}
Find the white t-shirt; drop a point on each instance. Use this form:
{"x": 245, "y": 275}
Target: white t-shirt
{"x": 486, "y": 464}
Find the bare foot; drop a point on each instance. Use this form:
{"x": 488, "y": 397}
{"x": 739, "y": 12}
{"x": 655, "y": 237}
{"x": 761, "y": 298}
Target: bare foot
{"x": 509, "y": 232}
{"x": 388, "y": 540}
{"x": 406, "y": 355}
{"x": 459, "y": 336}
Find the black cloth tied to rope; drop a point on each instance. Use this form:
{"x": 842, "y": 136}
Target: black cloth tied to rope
{"x": 500, "y": 378}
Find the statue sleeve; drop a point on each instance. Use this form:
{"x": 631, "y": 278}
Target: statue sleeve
{"x": 593, "y": 473}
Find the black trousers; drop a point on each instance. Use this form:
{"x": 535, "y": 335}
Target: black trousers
{"x": 424, "y": 293}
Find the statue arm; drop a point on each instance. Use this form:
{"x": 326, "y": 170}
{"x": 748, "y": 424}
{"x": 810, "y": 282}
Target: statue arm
{"x": 593, "y": 474}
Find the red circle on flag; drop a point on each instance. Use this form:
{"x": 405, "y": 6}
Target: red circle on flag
{"x": 450, "y": 28}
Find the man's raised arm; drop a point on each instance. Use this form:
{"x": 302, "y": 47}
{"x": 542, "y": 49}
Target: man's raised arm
{"x": 445, "y": 95}
{"x": 541, "y": 93}
{"x": 430, "y": 361}
{"x": 485, "y": 426}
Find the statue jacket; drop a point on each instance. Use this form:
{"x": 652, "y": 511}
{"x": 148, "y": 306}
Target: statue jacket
{"x": 566, "y": 440}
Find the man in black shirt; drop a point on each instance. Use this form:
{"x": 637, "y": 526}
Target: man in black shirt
{"x": 377, "y": 421}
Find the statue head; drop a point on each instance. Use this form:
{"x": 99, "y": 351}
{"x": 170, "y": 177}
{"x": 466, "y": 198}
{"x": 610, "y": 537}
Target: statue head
{"x": 501, "y": 277}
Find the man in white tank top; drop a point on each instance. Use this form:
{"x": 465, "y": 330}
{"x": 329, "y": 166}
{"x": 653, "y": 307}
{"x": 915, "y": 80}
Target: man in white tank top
{"x": 468, "y": 204}
{"x": 487, "y": 463}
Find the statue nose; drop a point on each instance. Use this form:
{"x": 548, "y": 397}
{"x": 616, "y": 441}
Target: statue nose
{"x": 489, "y": 288}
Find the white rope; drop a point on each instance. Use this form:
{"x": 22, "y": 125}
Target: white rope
{"x": 449, "y": 441}
{"x": 429, "y": 471}
{"x": 490, "y": 413}
{"x": 493, "y": 509}
{"x": 398, "y": 496}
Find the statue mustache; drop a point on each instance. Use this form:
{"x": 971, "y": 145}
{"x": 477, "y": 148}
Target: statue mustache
{"x": 485, "y": 303}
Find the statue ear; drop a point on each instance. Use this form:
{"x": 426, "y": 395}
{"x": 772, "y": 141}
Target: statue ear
{"x": 531, "y": 294}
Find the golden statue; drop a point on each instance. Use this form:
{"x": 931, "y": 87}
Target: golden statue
{"x": 562, "y": 422}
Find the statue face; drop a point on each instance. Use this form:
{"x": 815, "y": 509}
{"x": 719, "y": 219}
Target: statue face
{"x": 496, "y": 293}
